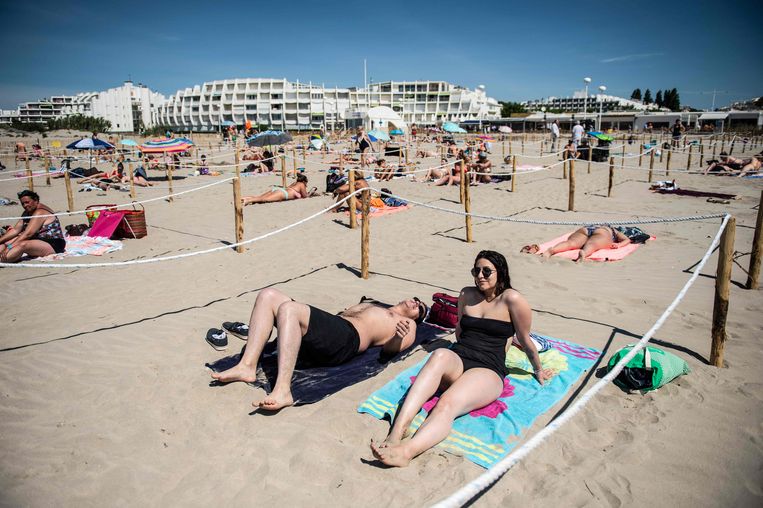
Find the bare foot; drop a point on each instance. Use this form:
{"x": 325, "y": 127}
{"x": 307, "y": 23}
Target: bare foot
{"x": 580, "y": 258}
{"x": 547, "y": 254}
{"x": 240, "y": 372}
{"x": 391, "y": 455}
{"x": 275, "y": 402}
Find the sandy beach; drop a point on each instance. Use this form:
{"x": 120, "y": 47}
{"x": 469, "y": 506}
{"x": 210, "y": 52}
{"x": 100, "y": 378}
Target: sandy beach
{"x": 107, "y": 401}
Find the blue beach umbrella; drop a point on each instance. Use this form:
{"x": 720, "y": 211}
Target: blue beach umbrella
{"x": 452, "y": 128}
{"x": 377, "y": 134}
{"x": 128, "y": 142}
{"x": 89, "y": 144}
{"x": 396, "y": 132}
{"x": 269, "y": 138}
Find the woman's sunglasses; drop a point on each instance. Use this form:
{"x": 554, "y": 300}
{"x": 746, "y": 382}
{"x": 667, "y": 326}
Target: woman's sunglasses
{"x": 486, "y": 271}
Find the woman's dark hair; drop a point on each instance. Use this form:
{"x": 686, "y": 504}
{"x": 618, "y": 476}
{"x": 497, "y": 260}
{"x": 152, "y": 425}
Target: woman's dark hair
{"x": 501, "y": 268}
{"x": 301, "y": 178}
{"x": 27, "y": 193}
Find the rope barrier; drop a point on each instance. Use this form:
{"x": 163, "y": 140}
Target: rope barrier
{"x": 181, "y": 256}
{"x": 61, "y": 214}
{"x": 492, "y": 475}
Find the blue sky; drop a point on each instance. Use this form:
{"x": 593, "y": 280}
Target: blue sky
{"x": 518, "y": 50}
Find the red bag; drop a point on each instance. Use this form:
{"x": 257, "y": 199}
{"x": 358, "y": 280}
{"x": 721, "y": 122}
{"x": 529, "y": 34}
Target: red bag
{"x": 444, "y": 311}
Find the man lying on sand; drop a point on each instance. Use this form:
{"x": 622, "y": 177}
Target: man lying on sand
{"x": 318, "y": 338}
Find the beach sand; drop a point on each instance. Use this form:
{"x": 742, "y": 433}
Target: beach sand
{"x": 106, "y": 399}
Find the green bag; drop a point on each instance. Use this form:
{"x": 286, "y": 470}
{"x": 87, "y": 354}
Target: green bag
{"x": 649, "y": 369}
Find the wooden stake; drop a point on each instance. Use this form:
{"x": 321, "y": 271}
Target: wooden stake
{"x": 46, "y": 161}
{"x": 701, "y": 155}
{"x": 667, "y": 164}
{"x": 757, "y": 245}
{"x": 622, "y": 158}
{"x": 352, "y": 201}
{"x": 462, "y": 182}
{"x": 611, "y": 176}
{"x": 132, "y": 180}
{"x": 513, "y": 173}
{"x": 571, "y": 200}
{"x": 237, "y": 161}
{"x": 69, "y": 195}
{"x": 721, "y": 304}
{"x": 688, "y": 159}
{"x": 651, "y": 163}
{"x": 294, "y": 160}
{"x": 283, "y": 170}
{"x": 238, "y": 213}
{"x": 503, "y": 150}
{"x": 640, "y": 154}
{"x": 29, "y": 178}
{"x": 590, "y": 157}
{"x": 468, "y": 209}
{"x": 564, "y": 169}
{"x": 365, "y": 232}
{"x": 169, "y": 181}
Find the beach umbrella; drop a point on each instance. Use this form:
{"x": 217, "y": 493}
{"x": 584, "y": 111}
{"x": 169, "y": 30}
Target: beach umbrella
{"x": 316, "y": 143}
{"x": 315, "y": 136}
{"x": 128, "y": 142}
{"x": 452, "y": 128}
{"x": 376, "y": 134}
{"x": 485, "y": 137}
{"x": 396, "y": 132}
{"x": 166, "y": 145}
{"x": 601, "y": 136}
{"x": 90, "y": 144}
{"x": 269, "y": 138}
{"x": 228, "y": 123}
{"x": 504, "y": 129}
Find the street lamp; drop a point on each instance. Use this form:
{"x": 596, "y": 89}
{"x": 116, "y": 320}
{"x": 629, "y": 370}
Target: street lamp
{"x": 602, "y": 89}
{"x": 587, "y": 82}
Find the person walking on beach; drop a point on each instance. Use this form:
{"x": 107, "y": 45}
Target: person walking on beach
{"x": 577, "y": 134}
{"x": 677, "y": 132}
{"x": 554, "y": 134}
{"x": 317, "y": 338}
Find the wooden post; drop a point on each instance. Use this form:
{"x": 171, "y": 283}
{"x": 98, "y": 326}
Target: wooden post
{"x": 564, "y": 169}
{"x": 238, "y": 213}
{"x": 571, "y": 201}
{"x": 510, "y": 153}
{"x": 757, "y": 245}
{"x": 503, "y": 150}
{"x": 352, "y": 202}
{"x": 590, "y": 157}
{"x": 462, "y": 182}
{"x": 132, "y": 180}
{"x": 622, "y": 158}
{"x": 468, "y": 209}
{"x": 721, "y": 304}
{"x": 169, "y": 181}
{"x": 541, "y": 148}
{"x": 715, "y": 146}
{"x": 731, "y": 146}
{"x": 667, "y": 164}
{"x": 688, "y": 158}
{"x": 723, "y": 143}
{"x": 29, "y": 178}
{"x": 294, "y": 159}
{"x": 523, "y": 145}
{"x": 701, "y": 155}
{"x": 365, "y": 232}
{"x": 283, "y": 170}
{"x": 651, "y": 163}
{"x": 611, "y": 176}
{"x": 237, "y": 161}
{"x": 662, "y": 152}
{"x": 640, "y": 154}
{"x": 46, "y": 161}
{"x": 69, "y": 195}
{"x": 513, "y": 173}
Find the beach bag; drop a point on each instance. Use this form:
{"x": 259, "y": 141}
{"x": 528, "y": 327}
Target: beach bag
{"x": 649, "y": 369}
{"x": 444, "y": 311}
{"x": 133, "y": 224}
{"x": 634, "y": 234}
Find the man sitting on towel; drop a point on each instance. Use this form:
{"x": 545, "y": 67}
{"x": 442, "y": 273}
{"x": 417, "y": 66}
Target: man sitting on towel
{"x": 318, "y": 338}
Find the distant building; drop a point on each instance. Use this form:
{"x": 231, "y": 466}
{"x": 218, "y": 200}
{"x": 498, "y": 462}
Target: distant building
{"x": 748, "y": 105}
{"x": 286, "y": 105}
{"x": 577, "y": 102}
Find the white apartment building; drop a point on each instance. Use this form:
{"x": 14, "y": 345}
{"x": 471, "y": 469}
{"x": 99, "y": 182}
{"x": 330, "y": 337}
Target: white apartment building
{"x": 282, "y": 104}
{"x": 126, "y": 107}
{"x": 578, "y": 101}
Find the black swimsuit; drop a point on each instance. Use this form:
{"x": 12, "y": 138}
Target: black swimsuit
{"x": 483, "y": 344}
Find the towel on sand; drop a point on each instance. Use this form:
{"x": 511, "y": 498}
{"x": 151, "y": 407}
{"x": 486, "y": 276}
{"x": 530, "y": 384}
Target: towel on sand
{"x": 310, "y": 385}
{"x": 378, "y": 211}
{"x": 600, "y": 255}
{"x": 85, "y": 246}
{"x": 487, "y": 435}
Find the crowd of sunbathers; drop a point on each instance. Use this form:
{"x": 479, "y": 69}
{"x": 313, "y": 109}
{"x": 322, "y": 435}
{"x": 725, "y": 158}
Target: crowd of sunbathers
{"x": 728, "y": 165}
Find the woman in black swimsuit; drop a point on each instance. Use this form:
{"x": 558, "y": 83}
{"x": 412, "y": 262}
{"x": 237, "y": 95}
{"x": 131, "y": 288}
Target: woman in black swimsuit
{"x": 364, "y": 143}
{"x": 472, "y": 371}
{"x": 33, "y": 235}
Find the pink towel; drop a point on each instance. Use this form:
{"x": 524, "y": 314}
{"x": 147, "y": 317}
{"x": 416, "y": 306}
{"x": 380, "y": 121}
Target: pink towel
{"x": 599, "y": 255}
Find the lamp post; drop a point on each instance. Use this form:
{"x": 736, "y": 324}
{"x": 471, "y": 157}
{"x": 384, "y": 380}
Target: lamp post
{"x": 602, "y": 89}
{"x": 587, "y": 82}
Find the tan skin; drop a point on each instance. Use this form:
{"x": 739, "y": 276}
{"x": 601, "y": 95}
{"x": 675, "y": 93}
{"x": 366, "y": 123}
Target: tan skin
{"x": 579, "y": 240}
{"x": 343, "y": 191}
{"x": 20, "y": 239}
{"x": 464, "y": 391}
{"x": 296, "y": 190}
{"x": 394, "y": 329}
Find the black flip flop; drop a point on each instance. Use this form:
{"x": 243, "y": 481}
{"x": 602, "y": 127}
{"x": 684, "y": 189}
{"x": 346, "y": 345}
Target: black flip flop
{"x": 237, "y": 328}
{"x": 217, "y": 338}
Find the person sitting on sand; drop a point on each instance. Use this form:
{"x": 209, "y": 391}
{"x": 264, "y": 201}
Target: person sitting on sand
{"x": 470, "y": 374}
{"x": 319, "y": 339}
{"x": 426, "y": 154}
{"x": 752, "y": 164}
{"x": 33, "y": 235}
{"x": 438, "y": 172}
{"x": 383, "y": 171}
{"x": 586, "y": 240}
{"x": 296, "y": 190}
{"x": 343, "y": 191}
{"x": 453, "y": 177}
{"x": 570, "y": 151}
{"x": 480, "y": 170}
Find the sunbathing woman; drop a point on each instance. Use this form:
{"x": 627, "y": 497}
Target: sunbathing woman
{"x": 587, "y": 240}
{"x": 437, "y": 173}
{"x": 32, "y": 235}
{"x": 472, "y": 371}
{"x": 276, "y": 193}
{"x": 454, "y": 177}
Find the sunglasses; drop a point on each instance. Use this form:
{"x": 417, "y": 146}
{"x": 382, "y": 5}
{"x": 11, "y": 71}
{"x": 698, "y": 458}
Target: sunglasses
{"x": 486, "y": 271}
{"x": 422, "y": 308}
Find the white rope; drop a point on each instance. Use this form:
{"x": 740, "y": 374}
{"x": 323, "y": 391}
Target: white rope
{"x": 492, "y": 475}
{"x": 61, "y": 214}
{"x": 179, "y": 256}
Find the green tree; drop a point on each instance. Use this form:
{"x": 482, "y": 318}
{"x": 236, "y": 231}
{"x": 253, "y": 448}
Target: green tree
{"x": 648, "y": 96}
{"x": 508, "y": 107}
{"x": 658, "y": 99}
{"x": 636, "y": 95}
{"x": 675, "y": 100}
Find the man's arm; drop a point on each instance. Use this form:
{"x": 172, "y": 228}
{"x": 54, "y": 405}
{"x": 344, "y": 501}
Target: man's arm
{"x": 405, "y": 334}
